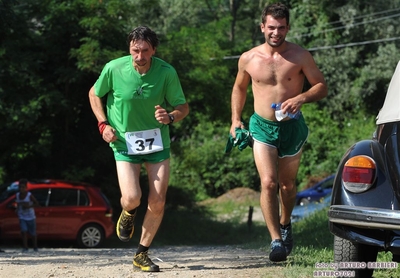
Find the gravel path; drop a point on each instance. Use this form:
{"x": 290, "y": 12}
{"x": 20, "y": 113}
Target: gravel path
{"x": 188, "y": 261}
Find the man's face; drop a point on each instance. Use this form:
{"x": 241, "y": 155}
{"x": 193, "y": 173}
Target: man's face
{"x": 22, "y": 188}
{"x": 275, "y": 30}
{"x": 141, "y": 52}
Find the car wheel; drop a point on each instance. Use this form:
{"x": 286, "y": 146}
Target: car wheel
{"x": 90, "y": 236}
{"x": 304, "y": 202}
{"x": 347, "y": 251}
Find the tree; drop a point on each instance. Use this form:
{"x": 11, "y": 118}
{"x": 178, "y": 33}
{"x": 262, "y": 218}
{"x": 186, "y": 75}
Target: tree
{"x": 52, "y": 51}
{"x": 44, "y": 103}
{"x": 347, "y": 41}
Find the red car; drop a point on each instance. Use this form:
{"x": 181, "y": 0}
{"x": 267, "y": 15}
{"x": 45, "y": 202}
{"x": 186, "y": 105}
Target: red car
{"x": 68, "y": 211}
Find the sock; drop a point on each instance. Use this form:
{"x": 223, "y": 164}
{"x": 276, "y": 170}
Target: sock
{"x": 141, "y": 249}
{"x": 132, "y": 212}
{"x": 285, "y": 226}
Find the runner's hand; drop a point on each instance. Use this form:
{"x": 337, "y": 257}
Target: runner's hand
{"x": 161, "y": 115}
{"x": 109, "y": 134}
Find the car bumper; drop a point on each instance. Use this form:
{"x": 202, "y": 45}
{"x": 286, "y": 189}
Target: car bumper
{"x": 365, "y": 217}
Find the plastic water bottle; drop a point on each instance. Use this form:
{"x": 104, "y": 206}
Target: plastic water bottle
{"x": 279, "y": 115}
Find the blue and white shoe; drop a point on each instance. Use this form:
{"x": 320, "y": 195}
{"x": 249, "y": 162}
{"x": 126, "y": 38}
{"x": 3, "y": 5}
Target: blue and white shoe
{"x": 287, "y": 238}
{"x": 278, "y": 252}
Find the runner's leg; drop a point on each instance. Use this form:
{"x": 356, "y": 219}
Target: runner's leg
{"x": 128, "y": 178}
{"x": 287, "y": 173}
{"x": 266, "y": 161}
{"x": 158, "y": 174}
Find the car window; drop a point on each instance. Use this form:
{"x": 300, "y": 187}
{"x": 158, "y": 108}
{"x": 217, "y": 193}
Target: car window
{"x": 41, "y": 196}
{"x": 83, "y": 198}
{"x": 105, "y": 199}
{"x": 327, "y": 184}
{"x": 7, "y": 190}
{"x": 63, "y": 197}
{"x": 68, "y": 197}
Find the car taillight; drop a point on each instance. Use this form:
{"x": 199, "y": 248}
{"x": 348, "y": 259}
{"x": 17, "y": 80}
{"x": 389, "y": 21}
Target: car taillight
{"x": 359, "y": 173}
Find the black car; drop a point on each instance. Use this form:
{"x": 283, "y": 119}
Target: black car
{"x": 364, "y": 215}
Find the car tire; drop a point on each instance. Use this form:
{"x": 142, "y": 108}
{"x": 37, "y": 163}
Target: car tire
{"x": 304, "y": 202}
{"x": 90, "y": 236}
{"x": 347, "y": 251}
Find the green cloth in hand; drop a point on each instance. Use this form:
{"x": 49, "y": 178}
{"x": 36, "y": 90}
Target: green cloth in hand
{"x": 242, "y": 140}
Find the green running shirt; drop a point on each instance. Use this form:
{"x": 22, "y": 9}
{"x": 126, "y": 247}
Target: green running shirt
{"x": 131, "y": 97}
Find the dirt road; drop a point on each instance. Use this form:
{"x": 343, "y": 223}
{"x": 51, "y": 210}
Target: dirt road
{"x": 182, "y": 262}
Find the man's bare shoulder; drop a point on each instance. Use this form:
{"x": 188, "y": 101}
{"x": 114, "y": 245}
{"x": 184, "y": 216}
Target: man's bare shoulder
{"x": 294, "y": 46}
{"x": 251, "y": 54}
{"x": 297, "y": 50}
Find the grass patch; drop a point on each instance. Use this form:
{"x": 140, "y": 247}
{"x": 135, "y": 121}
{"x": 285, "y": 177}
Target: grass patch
{"x": 209, "y": 225}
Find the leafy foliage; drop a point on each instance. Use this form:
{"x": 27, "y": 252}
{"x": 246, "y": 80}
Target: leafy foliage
{"x": 204, "y": 164}
{"x": 52, "y": 52}
{"x": 326, "y": 134}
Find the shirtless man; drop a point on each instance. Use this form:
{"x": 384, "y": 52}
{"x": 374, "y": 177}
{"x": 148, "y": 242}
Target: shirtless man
{"x": 277, "y": 70}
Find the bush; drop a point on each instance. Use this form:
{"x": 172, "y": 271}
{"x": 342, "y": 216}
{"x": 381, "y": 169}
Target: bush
{"x": 205, "y": 170}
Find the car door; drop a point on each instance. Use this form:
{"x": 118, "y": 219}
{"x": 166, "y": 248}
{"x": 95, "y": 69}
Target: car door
{"x": 9, "y": 223}
{"x": 65, "y": 216}
{"x": 41, "y": 212}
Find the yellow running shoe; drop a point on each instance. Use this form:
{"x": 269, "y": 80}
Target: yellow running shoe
{"x": 125, "y": 226}
{"x": 143, "y": 262}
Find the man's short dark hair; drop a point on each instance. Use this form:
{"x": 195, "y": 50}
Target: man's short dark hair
{"x": 276, "y": 10}
{"x": 143, "y": 33}
{"x": 23, "y": 182}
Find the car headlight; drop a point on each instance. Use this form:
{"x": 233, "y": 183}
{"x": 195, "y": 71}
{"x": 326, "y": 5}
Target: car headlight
{"x": 359, "y": 173}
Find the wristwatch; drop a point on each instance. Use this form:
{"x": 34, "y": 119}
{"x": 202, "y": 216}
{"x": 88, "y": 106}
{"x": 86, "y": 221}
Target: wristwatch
{"x": 171, "y": 118}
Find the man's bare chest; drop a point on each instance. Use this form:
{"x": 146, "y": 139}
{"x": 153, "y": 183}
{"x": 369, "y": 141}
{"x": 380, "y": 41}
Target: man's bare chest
{"x": 273, "y": 71}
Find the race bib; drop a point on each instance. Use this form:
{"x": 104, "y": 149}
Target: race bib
{"x": 144, "y": 141}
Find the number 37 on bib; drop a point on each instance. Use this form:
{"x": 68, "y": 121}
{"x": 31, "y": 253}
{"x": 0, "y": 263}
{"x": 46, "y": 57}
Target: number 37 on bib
{"x": 144, "y": 141}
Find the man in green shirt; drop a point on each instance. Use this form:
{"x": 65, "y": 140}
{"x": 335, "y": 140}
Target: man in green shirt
{"x": 139, "y": 87}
